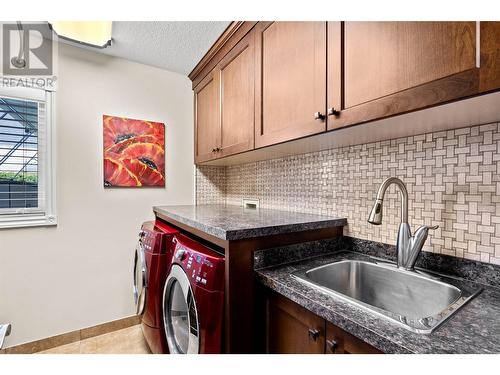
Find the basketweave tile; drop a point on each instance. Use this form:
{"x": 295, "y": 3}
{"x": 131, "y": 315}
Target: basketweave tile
{"x": 452, "y": 178}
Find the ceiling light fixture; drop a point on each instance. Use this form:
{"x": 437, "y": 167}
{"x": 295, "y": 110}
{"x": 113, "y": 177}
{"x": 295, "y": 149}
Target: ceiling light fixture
{"x": 90, "y": 33}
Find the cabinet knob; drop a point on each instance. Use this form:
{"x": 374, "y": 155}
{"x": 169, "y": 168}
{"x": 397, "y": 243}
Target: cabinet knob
{"x": 332, "y": 345}
{"x": 217, "y": 149}
{"x": 313, "y": 334}
{"x": 213, "y": 150}
{"x": 333, "y": 112}
{"x": 319, "y": 116}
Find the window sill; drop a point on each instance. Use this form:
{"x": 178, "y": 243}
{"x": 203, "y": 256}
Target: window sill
{"x": 27, "y": 221}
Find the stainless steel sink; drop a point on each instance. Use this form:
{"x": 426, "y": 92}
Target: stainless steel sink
{"x": 417, "y": 301}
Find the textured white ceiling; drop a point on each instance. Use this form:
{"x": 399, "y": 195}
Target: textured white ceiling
{"x": 175, "y": 46}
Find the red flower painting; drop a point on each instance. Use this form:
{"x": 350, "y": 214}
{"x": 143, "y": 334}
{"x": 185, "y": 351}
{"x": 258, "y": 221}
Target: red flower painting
{"x": 134, "y": 152}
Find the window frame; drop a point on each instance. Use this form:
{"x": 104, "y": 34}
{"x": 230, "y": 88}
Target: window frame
{"x": 49, "y": 218}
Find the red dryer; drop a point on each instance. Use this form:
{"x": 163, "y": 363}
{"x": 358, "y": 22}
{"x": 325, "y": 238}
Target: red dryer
{"x": 193, "y": 298}
{"x": 151, "y": 265}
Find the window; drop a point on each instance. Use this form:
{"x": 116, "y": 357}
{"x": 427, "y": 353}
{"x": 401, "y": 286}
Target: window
{"x": 27, "y": 185}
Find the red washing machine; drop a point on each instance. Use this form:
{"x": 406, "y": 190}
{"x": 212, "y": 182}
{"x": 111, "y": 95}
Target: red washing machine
{"x": 193, "y": 298}
{"x": 151, "y": 264}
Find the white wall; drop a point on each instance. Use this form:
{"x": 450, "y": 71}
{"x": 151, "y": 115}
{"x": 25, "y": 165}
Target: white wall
{"x": 79, "y": 274}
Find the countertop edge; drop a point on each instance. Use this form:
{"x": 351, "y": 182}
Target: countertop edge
{"x": 239, "y": 234}
{"x": 214, "y": 231}
{"x": 285, "y": 228}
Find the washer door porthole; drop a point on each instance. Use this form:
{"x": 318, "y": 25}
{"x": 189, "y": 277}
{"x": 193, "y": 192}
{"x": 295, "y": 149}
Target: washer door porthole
{"x": 140, "y": 277}
{"x": 180, "y": 316}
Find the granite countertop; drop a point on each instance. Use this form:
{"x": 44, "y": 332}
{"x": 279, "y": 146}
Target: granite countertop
{"x": 475, "y": 328}
{"x": 231, "y": 222}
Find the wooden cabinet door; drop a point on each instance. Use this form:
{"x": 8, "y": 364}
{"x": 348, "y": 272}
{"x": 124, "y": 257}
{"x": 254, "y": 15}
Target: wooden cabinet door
{"x": 237, "y": 85}
{"x": 490, "y": 56}
{"x": 339, "y": 341}
{"x": 290, "y": 80}
{"x": 207, "y": 117}
{"x": 388, "y": 68}
{"x": 291, "y": 329}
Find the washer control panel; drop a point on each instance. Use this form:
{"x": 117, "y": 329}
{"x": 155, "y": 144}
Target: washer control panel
{"x": 197, "y": 266}
{"x": 202, "y": 265}
{"x": 147, "y": 239}
{"x": 155, "y": 239}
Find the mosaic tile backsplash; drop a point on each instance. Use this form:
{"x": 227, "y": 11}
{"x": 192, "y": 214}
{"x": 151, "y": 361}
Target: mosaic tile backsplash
{"x": 452, "y": 179}
{"x": 210, "y": 185}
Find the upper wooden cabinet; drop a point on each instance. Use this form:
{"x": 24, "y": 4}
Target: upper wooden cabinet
{"x": 378, "y": 69}
{"x": 266, "y": 83}
{"x": 224, "y": 105}
{"x": 291, "y": 80}
{"x": 237, "y": 82}
{"x": 207, "y": 117}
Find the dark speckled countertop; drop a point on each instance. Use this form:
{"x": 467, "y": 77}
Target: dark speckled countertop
{"x": 473, "y": 329}
{"x": 231, "y": 222}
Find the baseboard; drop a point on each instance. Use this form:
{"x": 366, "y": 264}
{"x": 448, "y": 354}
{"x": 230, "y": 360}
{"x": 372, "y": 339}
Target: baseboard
{"x": 73, "y": 336}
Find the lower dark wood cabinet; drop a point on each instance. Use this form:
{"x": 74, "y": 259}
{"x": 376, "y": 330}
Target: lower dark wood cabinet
{"x": 339, "y": 341}
{"x": 292, "y": 329}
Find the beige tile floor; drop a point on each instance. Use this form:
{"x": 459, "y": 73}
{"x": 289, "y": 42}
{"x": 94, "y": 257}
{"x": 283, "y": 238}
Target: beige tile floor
{"x": 124, "y": 341}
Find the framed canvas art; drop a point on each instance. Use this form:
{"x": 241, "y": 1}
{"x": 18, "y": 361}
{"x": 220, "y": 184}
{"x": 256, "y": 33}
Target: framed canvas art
{"x": 134, "y": 152}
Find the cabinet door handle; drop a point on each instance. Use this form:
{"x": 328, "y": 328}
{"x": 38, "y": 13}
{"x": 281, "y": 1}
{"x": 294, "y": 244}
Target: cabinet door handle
{"x": 313, "y": 334}
{"x": 333, "y": 112}
{"x": 332, "y": 345}
{"x": 319, "y": 116}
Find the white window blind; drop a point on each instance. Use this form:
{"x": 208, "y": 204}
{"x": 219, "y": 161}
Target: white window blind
{"x": 26, "y": 168}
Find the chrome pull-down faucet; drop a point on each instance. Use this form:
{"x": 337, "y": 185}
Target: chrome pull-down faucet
{"x": 408, "y": 247}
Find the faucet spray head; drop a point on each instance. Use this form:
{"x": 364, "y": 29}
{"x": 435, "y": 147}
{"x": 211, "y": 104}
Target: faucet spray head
{"x": 375, "y": 217}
